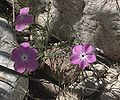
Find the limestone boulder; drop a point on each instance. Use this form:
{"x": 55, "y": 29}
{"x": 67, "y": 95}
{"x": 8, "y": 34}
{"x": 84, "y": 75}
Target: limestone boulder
{"x": 15, "y": 91}
{"x": 100, "y": 25}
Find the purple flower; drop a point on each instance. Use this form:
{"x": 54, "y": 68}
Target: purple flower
{"x": 25, "y": 58}
{"x": 23, "y": 19}
{"x": 83, "y": 55}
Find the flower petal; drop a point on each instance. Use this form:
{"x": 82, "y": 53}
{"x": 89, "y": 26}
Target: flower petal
{"x": 15, "y": 55}
{"x": 18, "y": 19}
{"x": 28, "y": 19}
{"x": 24, "y": 11}
{"x": 20, "y": 27}
{"x": 77, "y": 49}
{"x": 22, "y": 21}
{"x": 25, "y": 44}
{"x": 75, "y": 59}
{"x": 87, "y": 48}
{"x": 91, "y": 58}
{"x": 20, "y": 67}
{"x": 25, "y": 19}
{"x": 32, "y": 65}
{"x": 83, "y": 64}
{"x": 31, "y": 53}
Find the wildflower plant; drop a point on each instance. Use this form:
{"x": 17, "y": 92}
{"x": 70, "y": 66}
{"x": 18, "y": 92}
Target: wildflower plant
{"x": 68, "y": 61}
{"x": 23, "y": 19}
{"x": 57, "y": 55}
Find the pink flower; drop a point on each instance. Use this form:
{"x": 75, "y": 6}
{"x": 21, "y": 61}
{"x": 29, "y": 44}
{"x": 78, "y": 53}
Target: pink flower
{"x": 83, "y": 55}
{"x": 25, "y": 58}
{"x": 23, "y": 19}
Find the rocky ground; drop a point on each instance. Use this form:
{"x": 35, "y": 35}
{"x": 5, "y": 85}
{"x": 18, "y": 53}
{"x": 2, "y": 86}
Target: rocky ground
{"x": 96, "y": 22}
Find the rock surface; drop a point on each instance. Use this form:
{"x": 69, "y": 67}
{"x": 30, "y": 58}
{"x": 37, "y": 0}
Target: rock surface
{"x": 100, "y": 25}
{"x": 7, "y": 43}
{"x": 62, "y": 16}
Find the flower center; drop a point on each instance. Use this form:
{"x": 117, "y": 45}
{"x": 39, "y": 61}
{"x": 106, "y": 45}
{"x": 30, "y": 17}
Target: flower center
{"x": 82, "y": 56}
{"x": 24, "y": 57}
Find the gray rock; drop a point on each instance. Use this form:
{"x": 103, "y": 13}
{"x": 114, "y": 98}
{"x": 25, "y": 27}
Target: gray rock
{"x": 7, "y": 42}
{"x": 100, "y": 25}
